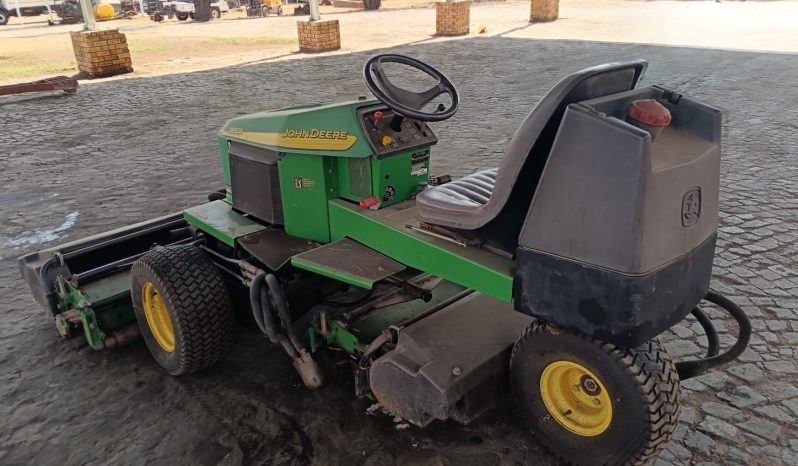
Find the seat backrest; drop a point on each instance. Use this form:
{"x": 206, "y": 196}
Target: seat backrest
{"x": 520, "y": 170}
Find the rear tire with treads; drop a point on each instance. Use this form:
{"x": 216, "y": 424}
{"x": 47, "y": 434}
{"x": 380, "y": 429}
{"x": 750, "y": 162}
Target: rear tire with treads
{"x": 183, "y": 308}
{"x": 640, "y": 383}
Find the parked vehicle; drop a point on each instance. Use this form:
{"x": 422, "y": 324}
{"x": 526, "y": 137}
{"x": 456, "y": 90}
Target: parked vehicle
{"x": 10, "y": 8}
{"x": 185, "y": 9}
{"x": 69, "y": 11}
{"x": 547, "y": 279}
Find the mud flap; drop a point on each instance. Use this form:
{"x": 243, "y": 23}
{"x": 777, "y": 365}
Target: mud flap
{"x": 450, "y": 365}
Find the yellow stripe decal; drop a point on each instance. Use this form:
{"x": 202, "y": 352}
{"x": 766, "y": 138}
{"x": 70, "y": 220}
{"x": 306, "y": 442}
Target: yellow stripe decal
{"x": 310, "y": 139}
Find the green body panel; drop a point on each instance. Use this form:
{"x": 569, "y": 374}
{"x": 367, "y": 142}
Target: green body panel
{"x": 386, "y": 231}
{"x": 337, "y": 117}
{"x": 337, "y": 337}
{"x": 307, "y": 182}
{"x": 110, "y": 299}
{"x": 394, "y": 173}
{"x": 354, "y": 336}
{"x": 94, "y": 334}
{"x": 219, "y": 220}
{"x": 103, "y": 305}
{"x": 372, "y": 324}
{"x": 324, "y": 154}
{"x": 333, "y": 273}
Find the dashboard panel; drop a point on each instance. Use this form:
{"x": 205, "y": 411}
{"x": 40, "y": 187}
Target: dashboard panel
{"x": 376, "y": 122}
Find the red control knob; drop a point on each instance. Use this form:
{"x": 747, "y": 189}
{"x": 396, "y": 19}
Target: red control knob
{"x": 369, "y": 202}
{"x": 649, "y": 112}
{"x": 378, "y": 116}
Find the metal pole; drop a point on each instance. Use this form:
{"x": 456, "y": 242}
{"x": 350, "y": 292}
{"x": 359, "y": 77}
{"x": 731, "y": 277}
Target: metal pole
{"x": 19, "y": 13}
{"x": 49, "y": 13}
{"x": 314, "y": 10}
{"x": 141, "y": 7}
{"x": 89, "y": 23}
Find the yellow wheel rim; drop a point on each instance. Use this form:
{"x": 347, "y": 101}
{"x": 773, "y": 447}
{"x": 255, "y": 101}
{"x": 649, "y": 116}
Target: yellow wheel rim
{"x": 158, "y": 317}
{"x": 576, "y": 398}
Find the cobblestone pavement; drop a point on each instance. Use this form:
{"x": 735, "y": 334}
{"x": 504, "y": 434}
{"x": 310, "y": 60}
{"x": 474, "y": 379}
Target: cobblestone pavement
{"x": 125, "y": 151}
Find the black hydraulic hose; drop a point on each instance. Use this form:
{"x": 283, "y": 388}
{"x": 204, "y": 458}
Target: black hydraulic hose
{"x": 377, "y": 343}
{"x": 263, "y": 318}
{"x": 689, "y": 369}
{"x": 713, "y": 343}
{"x": 268, "y": 319}
{"x": 278, "y": 298}
{"x": 254, "y": 302}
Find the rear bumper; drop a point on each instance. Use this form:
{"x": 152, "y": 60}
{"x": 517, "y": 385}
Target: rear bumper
{"x": 622, "y": 309}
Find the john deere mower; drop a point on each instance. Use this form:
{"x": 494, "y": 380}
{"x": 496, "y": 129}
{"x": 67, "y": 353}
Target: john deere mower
{"x": 549, "y": 278}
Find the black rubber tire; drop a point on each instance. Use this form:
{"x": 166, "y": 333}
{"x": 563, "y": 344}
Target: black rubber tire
{"x": 3, "y": 17}
{"x": 216, "y": 13}
{"x": 371, "y": 4}
{"x": 642, "y": 383}
{"x": 197, "y": 301}
{"x": 182, "y": 17}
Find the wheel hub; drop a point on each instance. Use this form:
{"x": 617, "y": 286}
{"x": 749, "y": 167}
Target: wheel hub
{"x": 158, "y": 317}
{"x": 576, "y": 398}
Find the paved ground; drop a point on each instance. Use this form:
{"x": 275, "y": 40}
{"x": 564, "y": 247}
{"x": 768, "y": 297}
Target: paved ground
{"x": 36, "y": 50}
{"x": 117, "y": 152}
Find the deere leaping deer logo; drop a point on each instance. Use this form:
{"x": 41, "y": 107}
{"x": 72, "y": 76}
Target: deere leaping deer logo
{"x": 691, "y": 207}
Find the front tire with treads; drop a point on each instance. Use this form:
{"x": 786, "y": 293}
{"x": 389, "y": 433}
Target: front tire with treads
{"x": 590, "y": 402}
{"x": 183, "y": 308}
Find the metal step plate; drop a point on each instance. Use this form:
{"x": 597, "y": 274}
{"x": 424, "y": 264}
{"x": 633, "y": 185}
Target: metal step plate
{"x": 219, "y": 220}
{"x": 348, "y": 261}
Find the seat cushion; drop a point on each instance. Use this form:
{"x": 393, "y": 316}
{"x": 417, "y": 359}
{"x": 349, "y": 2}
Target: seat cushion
{"x": 459, "y": 196}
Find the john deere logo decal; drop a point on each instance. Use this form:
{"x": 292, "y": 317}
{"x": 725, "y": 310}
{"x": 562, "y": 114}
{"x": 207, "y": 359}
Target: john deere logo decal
{"x": 691, "y": 207}
{"x": 308, "y": 139}
{"x": 313, "y": 134}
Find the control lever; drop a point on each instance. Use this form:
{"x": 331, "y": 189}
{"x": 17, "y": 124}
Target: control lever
{"x": 396, "y": 123}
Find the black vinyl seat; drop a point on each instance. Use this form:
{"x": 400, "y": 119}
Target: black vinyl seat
{"x": 472, "y": 190}
{"x": 492, "y": 204}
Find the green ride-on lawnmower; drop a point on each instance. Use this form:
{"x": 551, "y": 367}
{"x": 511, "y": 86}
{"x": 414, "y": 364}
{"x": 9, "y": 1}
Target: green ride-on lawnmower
{"x": 549, "y": 277}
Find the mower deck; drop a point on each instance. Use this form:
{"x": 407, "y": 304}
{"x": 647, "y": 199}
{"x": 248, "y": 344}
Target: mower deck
{"x": 448, "y": 365}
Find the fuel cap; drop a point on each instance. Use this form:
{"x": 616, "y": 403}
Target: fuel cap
{"x": 649, "y": 112}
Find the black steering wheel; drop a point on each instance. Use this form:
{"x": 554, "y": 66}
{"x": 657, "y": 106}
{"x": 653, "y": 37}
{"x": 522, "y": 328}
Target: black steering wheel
{"x": 409, "y": 103}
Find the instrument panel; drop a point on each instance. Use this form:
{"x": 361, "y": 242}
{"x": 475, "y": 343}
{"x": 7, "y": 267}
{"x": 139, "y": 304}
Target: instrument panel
{"x": 378, "y": 124}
